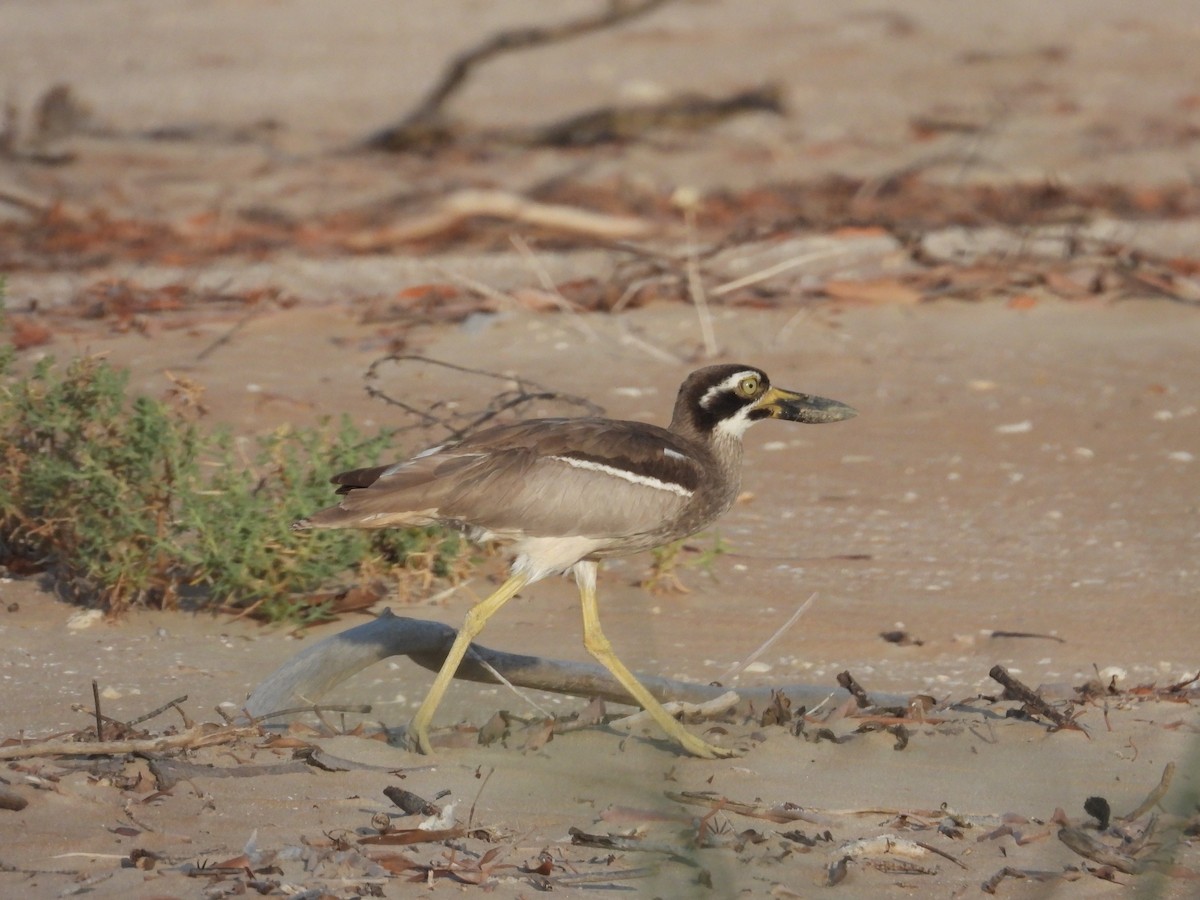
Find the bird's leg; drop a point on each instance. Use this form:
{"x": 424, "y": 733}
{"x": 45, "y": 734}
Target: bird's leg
{"x": 598, "y": 645}
{"x": 417, "y": 735}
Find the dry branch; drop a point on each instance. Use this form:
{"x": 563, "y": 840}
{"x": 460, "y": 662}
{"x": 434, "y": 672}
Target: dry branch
{"x": 1156, "y": 795}
{"x": 193, "y": 738}
{"x": 608, "y": 124}
{"x": 313, "y": 672}
{"x": 1015, "y": 689}
{"x": 780, "y": 813}
{"x": 464, "y": 206}
{"x": 425, "y": 126}
{"x": 1087, "y": 846}
{"x": 458, "y": 422}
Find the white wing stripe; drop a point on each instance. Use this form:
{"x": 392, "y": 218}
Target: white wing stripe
{"x": 631, "y": 477}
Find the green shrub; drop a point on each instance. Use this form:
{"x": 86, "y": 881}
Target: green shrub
{"x": 128, "y": 501}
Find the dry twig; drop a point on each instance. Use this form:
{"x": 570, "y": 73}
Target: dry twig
{"x": 1086, "y": 845}
{"x": 1015, "y": 689}
{"x": 1160, "y": 791}
{"x": 466, "y": 205}
{"x": 425, "y": 126}
{"x": 192, "y": 739}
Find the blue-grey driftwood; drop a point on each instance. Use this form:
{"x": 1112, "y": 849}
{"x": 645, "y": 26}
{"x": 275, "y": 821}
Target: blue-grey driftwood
{"x": 311, "y": 674}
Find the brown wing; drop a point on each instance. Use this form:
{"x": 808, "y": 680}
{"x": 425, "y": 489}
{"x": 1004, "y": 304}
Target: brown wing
{"x": 594, "y": 477}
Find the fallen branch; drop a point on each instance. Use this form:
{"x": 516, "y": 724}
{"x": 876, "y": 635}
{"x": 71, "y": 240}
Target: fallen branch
{"x": 604, "y": 876}
{"x": 990, "y": 886}
{"x": 193, "y": 738}
{"x": 1015, "y": 689}
{"x": 691, "y": 712}
{"x": 425, "y": 125}
{"x": 610, "y": 124}
{"x": 169, "y": 772}
{"x": 625, "y": 843}
{"x": 780, "y": 813}
{"x": 846, "y": 680}
{"x": 313, "y": 672}
{"x": 882, "y": 844}
{"x": 1160, "y": 791}
{"x": 1087, "y": 846}
{"x": 463, "y": 206}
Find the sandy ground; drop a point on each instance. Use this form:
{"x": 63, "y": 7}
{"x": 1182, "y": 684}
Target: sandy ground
{"x": 1012, "y": 469}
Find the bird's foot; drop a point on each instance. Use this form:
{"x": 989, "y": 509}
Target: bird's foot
{"x": 696, "y": 747}
{"x": 416, "y": 739}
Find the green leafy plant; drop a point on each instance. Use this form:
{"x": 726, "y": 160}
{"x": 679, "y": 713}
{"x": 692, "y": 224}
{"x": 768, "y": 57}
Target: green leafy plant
{"x": 667, "y": 561}
{"x": 128, "y": 501}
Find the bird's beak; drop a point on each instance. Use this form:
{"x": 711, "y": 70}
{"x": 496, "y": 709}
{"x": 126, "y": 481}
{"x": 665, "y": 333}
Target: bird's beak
{"x": 781, "y": 404}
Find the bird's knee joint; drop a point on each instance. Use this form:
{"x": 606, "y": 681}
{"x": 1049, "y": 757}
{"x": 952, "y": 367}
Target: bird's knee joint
{"x": 597, "y": 644}
{"x": 474, "y": 622}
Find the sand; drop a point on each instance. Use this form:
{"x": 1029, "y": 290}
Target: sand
{"x": 1016, "y": 467}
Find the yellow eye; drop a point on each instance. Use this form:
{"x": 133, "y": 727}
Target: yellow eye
{"x": 748, "y": 386}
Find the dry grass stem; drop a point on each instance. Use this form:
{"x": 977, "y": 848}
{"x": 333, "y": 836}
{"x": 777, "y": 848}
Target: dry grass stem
{"x": 735, "y": 670}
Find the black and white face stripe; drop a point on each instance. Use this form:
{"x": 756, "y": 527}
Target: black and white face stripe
{"x": 722, "y": 403}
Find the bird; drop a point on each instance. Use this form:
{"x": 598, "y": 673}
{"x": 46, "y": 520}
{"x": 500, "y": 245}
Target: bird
{"x": 567, "y": 493}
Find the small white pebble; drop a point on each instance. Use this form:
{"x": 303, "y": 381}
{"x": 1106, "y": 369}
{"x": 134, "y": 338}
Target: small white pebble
{"x": 757, "y": 668}
{"x": 1180, "y": 456}
{"x": 1164, "y": 415}
{"x": 685, "y": 197}
{"x": 1015, "y": 427}
{"x": 85, "y": 619}
{"x": 1084, "y": 452}
{"x": 981, "y": 384}
{"x": 775, "y": 445}
{"x": 254, "y": 388}
{"x": 110, "y": 693}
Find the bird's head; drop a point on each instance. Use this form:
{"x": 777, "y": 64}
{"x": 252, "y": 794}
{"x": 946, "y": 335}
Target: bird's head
{"x": 727, "y": 399}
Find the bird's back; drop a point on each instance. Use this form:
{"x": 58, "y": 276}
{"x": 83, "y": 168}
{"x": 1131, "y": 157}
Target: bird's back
{"x": 626, "y": 484}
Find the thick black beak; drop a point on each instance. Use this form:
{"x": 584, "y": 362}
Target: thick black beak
{"x": 804, "y": 408}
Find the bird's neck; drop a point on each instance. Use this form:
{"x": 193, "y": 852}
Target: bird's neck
{"x": 727, "y": 450}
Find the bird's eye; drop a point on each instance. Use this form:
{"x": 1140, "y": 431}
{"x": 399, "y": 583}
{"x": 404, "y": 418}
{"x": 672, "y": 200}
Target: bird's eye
{"x": 748, "y": 386}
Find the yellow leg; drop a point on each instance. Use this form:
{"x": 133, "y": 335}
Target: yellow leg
{"x": 598, "y": 645}
{"x": 417, "y": 736}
